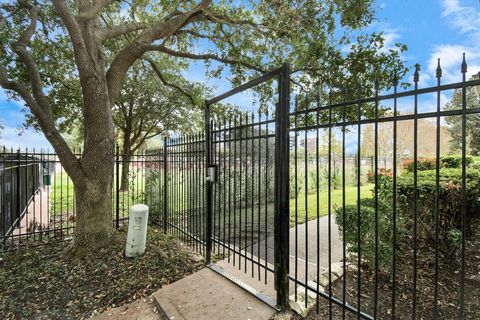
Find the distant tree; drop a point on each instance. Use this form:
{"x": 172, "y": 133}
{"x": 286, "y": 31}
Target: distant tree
{"x": 326, "y": 141}
{"x": 405, "y": 139}
{"x": 473, "y": 120}
{"x": 150, "y": 105}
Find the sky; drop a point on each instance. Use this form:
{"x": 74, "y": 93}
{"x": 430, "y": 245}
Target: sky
{"x": 431, "y": 29}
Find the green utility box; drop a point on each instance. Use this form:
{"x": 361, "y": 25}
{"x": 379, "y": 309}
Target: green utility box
{"x": 47, "y": 179}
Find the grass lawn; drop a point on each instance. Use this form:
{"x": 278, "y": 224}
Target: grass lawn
{"x": 62, "y": 194}
{"x": 62, "y": 198}
{"x": 336, "y": 200}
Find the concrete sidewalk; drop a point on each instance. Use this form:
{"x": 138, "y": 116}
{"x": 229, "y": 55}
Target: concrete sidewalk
{"x": 303, "y": 256}
{"x": 207, "y": 295}
{"x": 36, "y": 215}
{"x": 204, "y": 295}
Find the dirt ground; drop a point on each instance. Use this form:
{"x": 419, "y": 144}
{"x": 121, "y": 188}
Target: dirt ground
{"x": 39, "y": 283}
{"x": 448, "y": 286}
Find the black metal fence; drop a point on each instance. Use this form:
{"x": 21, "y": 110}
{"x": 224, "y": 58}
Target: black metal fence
{"x": 367, "y": 208}
{"x": 381, "y": 199}
{"x": 19, "y": 182}
{"x": 37, "y": 196}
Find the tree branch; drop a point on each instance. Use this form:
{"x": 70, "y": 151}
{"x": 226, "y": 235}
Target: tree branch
{"x": 161, "y": 30}
{"x": 205, "y": 56}
{"x": 80, "y": 50}
{"x": 20, "y": 48}
{"x": 38, "y": 102}
{"x": 119, "y": 30}
{"x": 145, "y": 136}
{"x": 222, "y": 19}
{"x": 95, "y": 10}
{"x": 167, "y": 83}
{"x": 195, "y": 34}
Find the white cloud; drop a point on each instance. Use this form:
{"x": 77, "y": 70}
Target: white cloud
{"x": 465, "y": 18}
{"x": 391, "y": 37}
{"x": 466, "y": 21}
{"x": 450, "y": 56}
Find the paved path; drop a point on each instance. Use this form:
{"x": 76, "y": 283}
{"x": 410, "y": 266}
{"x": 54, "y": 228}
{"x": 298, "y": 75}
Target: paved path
{"x": 204, "y": 295}
{"x": 36, "y": 215}
{"x": 207, "y": 295}
{"x": 303, "y": 255}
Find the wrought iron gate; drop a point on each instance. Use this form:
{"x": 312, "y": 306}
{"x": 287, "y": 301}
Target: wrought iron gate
{"x": 267, "y": 215}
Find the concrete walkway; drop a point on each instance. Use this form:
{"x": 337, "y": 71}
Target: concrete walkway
{"x": 36, "y": 215}
{"x": 303, "y": 255}
{"x": 204, "y": 295}
{"x": 236, "y": 295}
{"x": 143, "y": 309}
{"x": 207, "y": 295}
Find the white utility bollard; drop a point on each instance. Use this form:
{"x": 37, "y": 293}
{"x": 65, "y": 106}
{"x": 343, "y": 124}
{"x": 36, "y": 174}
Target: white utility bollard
{"x": 137, "y": 231}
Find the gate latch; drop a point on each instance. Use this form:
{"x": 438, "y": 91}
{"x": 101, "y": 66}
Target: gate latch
{"x": 212, "y": 173}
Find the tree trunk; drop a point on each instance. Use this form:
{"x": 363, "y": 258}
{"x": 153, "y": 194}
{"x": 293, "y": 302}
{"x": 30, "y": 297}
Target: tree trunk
{"x": 93, "y": 192}
{"x": 125, "y": 171}
{"x": 126, "y": 156}
{"x": 94, "y": 223}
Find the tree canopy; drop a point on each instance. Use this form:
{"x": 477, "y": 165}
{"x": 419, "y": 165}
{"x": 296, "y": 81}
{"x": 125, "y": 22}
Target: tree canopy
{"x": 60, "y": 54}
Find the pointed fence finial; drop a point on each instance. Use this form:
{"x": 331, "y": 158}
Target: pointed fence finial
{"x": 464, "y": 64}
{"x": 416, "y": 74}
{"x": 439, "y": 69}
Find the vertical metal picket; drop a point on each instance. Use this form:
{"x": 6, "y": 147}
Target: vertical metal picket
{"x": 117, "y": 187}
{"x": 282, "y": 199}
{"x": 165, "y": 180}
{"x": 209, "y": 186}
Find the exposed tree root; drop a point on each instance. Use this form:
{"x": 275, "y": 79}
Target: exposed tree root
{"x": 83, "y": 246}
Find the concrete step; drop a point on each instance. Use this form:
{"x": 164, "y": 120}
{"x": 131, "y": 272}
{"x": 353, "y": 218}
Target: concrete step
{"x": 207, "y": 295}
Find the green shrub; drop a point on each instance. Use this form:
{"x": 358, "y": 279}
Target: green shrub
{"x": 154, "y": 193}
{"x": 449, "y": 213}
{"x": 299, "y": 182}
{"x": 449, "y": 206}
{"x": 367, "y": 232}
{"x": 367, "y": 227}
{"x": 381, "y": 172}
{"x": 455, "y": 161}
{"x": 422, "y": 164}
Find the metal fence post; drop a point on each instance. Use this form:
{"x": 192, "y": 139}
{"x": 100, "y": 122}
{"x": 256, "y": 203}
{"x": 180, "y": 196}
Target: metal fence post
{"x": 117, "y": 187}
{"x": 165, "y": 180}
{"x": 209, "y": 195}
{"x": 18, "y": 196}
{"x": 282, "y": 204}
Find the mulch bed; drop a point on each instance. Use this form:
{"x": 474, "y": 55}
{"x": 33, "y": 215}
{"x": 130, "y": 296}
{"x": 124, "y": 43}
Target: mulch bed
{"x": 448, "y": 294}
{"x": 39, "y": 283}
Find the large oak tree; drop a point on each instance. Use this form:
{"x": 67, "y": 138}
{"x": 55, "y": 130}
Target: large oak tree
{"x": 46, "y": 45}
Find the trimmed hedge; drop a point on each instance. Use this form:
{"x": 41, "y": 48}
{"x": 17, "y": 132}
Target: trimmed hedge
{"x": 448, "y": 162}
{"x": 449, "y": 203}
{"x": 425, "y": 195}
